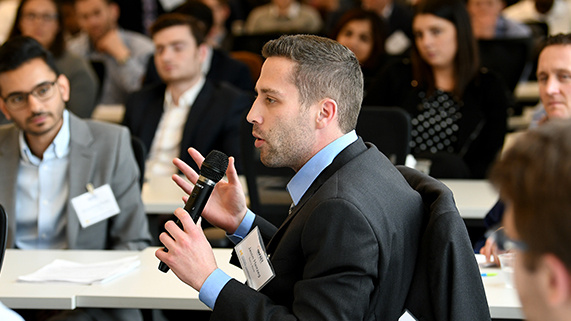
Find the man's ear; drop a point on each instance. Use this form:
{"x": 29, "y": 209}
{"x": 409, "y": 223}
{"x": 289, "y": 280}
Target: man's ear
{"x": 63, "y": 87}
{"x": 558, "y": 280}
{"x": 327, "y": 112}
{"x": 202, "y": 52}
{"x": 4, "y": 109}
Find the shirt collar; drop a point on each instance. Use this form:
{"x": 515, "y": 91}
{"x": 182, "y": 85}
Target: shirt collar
{"x": 59, "y": 148}
{"x": 187, "y": 98}
{"x": 309, "y": 172}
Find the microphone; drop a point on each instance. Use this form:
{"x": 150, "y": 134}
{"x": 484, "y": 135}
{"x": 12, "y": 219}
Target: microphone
{"x": 211, "y": 171}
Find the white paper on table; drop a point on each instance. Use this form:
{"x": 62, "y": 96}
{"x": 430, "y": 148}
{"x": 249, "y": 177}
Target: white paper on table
{"x": 68, "y": 271}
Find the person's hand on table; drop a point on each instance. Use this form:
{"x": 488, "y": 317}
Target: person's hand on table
{"x": 490, "y": 250}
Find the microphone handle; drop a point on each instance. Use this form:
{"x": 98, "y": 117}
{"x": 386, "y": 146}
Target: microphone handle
{"x": 194, "y": 206}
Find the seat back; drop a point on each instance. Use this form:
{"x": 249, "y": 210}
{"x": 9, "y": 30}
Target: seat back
{"x": 3, "y": 233}
{"x": 140, "y": 153}
{"x": 388, "y": 128}
{"x": 266, "y": 186}
{"x": 506, "y": 57}
{"x": 253, "y": 60}
{"x": 446, "y": 284}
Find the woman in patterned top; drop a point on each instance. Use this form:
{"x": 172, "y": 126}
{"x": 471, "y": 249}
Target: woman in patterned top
{"x": 458, "y": 110}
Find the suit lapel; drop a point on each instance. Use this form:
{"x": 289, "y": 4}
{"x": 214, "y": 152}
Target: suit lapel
{"x": 9, "y": 146}
{"x": 152, "y": 116}
{"x": 201, "y": 103}
{"x": 346, "y": 155}
{"x": 81, "y": 158}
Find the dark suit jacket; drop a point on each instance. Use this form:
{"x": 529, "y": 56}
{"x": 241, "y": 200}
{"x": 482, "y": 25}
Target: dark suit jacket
{"x": 346, "y": 252}
{"x": 400, "y": 19}
{"x": 447, "y": 284}
{"x": 213, "y": 121}
{"x": 222, "y": 68}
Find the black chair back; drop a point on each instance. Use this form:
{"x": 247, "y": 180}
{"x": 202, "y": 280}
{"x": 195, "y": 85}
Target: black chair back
{"x": 507, "y": 57}
{"x": 3, "y": 233}
{"x": 388, "y": 128}
{"x": 446, "y": 284}
{"x": 140, "y": 154}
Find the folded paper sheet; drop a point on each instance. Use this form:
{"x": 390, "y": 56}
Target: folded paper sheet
{"x": 68, "y": 271}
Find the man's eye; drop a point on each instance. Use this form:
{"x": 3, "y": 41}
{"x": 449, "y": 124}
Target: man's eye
{"x": 42, "y": 91}
{"x": 16, "y": 99}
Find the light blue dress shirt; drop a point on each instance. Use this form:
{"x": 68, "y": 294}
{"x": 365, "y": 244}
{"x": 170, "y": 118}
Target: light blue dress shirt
{"x": 42, "y": 192}
{"x": 296, "y": 188}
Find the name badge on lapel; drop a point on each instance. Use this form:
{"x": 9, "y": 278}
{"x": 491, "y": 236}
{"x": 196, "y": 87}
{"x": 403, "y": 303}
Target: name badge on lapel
{"x": 96, "y": 205}
{"x": 254, "y": 260}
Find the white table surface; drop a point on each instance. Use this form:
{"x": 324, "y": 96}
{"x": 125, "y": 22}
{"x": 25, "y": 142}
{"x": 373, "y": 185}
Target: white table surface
{"x": 503, "y": 301}
{"x": 148, "y": 288}
{"x": 474, "y": 198}
{"x": 144, "y": 288}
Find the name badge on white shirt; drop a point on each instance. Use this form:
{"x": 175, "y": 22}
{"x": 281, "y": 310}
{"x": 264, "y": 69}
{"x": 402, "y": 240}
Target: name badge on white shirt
{"x": 254, "y": 260}
{"x": 95, "y": 206}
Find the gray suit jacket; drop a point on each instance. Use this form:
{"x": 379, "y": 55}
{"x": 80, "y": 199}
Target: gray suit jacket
{"x": 100, "y": 154}
{"x": 346, "y": 252}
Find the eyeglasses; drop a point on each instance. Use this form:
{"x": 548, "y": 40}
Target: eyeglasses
{"x": 42, "y": 17}
{"x": 505, "y": 243}
{"x": 18, "y": 100}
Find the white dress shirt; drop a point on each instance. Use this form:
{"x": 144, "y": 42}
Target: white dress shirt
{"x": 42, "y": 193}
{"x": 167, "y": 140}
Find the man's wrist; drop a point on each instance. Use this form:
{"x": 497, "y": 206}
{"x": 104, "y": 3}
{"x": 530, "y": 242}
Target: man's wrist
{"x": 212, "y": 286}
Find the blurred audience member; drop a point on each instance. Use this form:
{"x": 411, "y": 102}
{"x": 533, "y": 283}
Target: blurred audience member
{"x": 218, "y": 65}
{"x": 7, "y": 15}
{"x": 218, "y": 36}
{"x": 185, "y": 109}
{"x": 50, "y": 161}
{"x": 554, "y": 80}
{"x": 363, "y": 32}
{"x": 123, "y": 53}
{"x": 458, "y": 111}
{"x": 283, "y": 16}
{"x": 70, "y": 26}
{"x": 398, "y": 18}
{"x": 43, "y": 21}
{"x": 555, "y": 13}
{"x": 140, "y": 14}
{"x": 534, "y": 179}
{"x": 489, "y": 23}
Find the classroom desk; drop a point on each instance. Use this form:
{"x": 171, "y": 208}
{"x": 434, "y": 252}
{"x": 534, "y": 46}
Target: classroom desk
{"x": 109, "y": 113}
{"x": 474, "y": 198}
{"x": 144, "y": 288}
{"x": 527, "y": 91}
{"x": 502, "y": 300}
{"x": 148, "y": 288}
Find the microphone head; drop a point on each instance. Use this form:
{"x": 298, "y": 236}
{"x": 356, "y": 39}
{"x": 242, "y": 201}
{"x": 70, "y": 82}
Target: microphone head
{"x": 214, "y": 166}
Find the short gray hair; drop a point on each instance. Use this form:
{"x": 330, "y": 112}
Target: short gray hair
{"x": 324, "y": 69}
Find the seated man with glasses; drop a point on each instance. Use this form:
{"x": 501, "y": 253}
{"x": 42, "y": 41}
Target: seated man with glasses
{"x": 60, "y": 172}
{"x": 537, "y": 219}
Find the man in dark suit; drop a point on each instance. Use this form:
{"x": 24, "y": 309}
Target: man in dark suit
{"x": 186, "y": 109}
{"x": 348, "y": 247}
{"x": 218, "y": 65}
{"x": 398, "y": 20}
